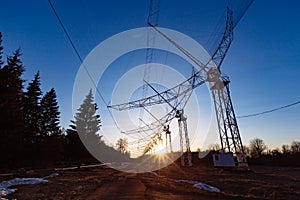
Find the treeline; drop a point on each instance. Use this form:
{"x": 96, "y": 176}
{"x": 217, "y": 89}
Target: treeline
{"x": 30, "y": 132}
{"x": 258, "y": 153}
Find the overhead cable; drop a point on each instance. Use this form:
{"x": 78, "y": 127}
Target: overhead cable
{"x": 81, "y": 61}
{"x": 269, "y": 111}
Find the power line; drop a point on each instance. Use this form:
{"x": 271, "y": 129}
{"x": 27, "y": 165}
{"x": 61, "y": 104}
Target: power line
{"x": 65, "y": 31}
{"x": 81, "y": 61}
{"x": 269, "y": 111}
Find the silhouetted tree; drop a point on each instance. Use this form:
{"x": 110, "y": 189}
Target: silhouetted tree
{"x": 11, "y": 108}
{"x": 1, "y": 51}
{"x": 285, "y": 149}
{"x": 122, "y": 145}
{"x": 51, "y": 140}
{"x": 33, "y": 110}
{"x": 295, "y": 147}
{"x": 275, "y": 152}
{"x": 84, "y": 127}
{"x": 86, "y": 120}
{"x": 247, "y": 151}
{"x": 50, "y": 115}
{"x": 257, "y": 146}
{"x": 23, "y": 121}
{"x": 74, "y": 150}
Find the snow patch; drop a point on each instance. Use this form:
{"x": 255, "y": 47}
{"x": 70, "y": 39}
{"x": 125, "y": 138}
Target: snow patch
{"x": 206, "y": 187}
{"x": 198, "y": 185}
{"x": 155, "y": 174}
{"x": 5, "y": 185}
{"x": 195, "y": 184}
{"x": 51, "y": 175}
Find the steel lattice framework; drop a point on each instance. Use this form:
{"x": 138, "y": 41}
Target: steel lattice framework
{"x": 178, "y": 96}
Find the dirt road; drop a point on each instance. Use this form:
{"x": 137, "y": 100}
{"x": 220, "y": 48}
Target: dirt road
{"x": 125, "y": 186}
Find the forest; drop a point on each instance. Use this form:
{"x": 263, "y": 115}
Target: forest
{"x": 30, "y": 131}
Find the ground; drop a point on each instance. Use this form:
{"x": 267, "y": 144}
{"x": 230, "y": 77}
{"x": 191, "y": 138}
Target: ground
{"x": 101, "y": 182}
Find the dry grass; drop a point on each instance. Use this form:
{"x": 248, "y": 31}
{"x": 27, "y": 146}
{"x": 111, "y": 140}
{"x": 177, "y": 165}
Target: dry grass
{"x": 259, "y": 183}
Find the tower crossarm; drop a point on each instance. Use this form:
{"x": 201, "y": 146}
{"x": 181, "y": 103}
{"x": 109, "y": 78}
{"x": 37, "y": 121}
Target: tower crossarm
{"x": 158, "y": 123}
{"x": 197, "y": 79}
{"x": 164, "y": 97}
{"x": 152, "y": 126}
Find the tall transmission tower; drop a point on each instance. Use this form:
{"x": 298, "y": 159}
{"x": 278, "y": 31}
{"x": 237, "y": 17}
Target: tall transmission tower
{"x": 219, "y": 86}
{"x": 229, "y": 133}
{"x": 168, "y": 139}
{"x": 151, "y": 34}
{"x": 186, "y": 157}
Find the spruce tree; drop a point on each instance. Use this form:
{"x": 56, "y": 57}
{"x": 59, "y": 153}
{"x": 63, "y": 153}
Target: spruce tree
{"x": 51, "y": 140}
{"x": 86, "y": 120}
{"x": 12, "y": 88}
{"x": 75, "y": 150}
{"x": 11, "y": 108}
{"x": 1, "y": 51}
{"x": 84, "y": 127}
{"x": 50, "y": 115}
{"x": 33, "y": 110}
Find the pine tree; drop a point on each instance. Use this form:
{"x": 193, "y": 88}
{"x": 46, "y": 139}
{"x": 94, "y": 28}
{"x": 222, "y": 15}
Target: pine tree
{"x": 11, "y": 107}
{"x": 51, "y": 140}
{"x": 86, "y": 124}
{"x": 86, "y": 120}
{"x": 50, "y": 115}
{"x": 1, "y": 51}
{"x": 12, "y": 88}
{"x": 74, "y": 150}
{"x": 33, "y": 110}
{"x": 12, "y": 83}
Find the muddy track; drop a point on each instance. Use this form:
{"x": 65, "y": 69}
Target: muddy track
{"x": 121, "y": 186}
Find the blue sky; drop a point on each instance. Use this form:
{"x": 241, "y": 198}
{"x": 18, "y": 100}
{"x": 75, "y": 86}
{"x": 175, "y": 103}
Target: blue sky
{"x": 262, "y": 63}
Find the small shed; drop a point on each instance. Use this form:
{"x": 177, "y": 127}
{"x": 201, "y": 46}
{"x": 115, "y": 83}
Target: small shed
{"x": 223, "y": 160}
